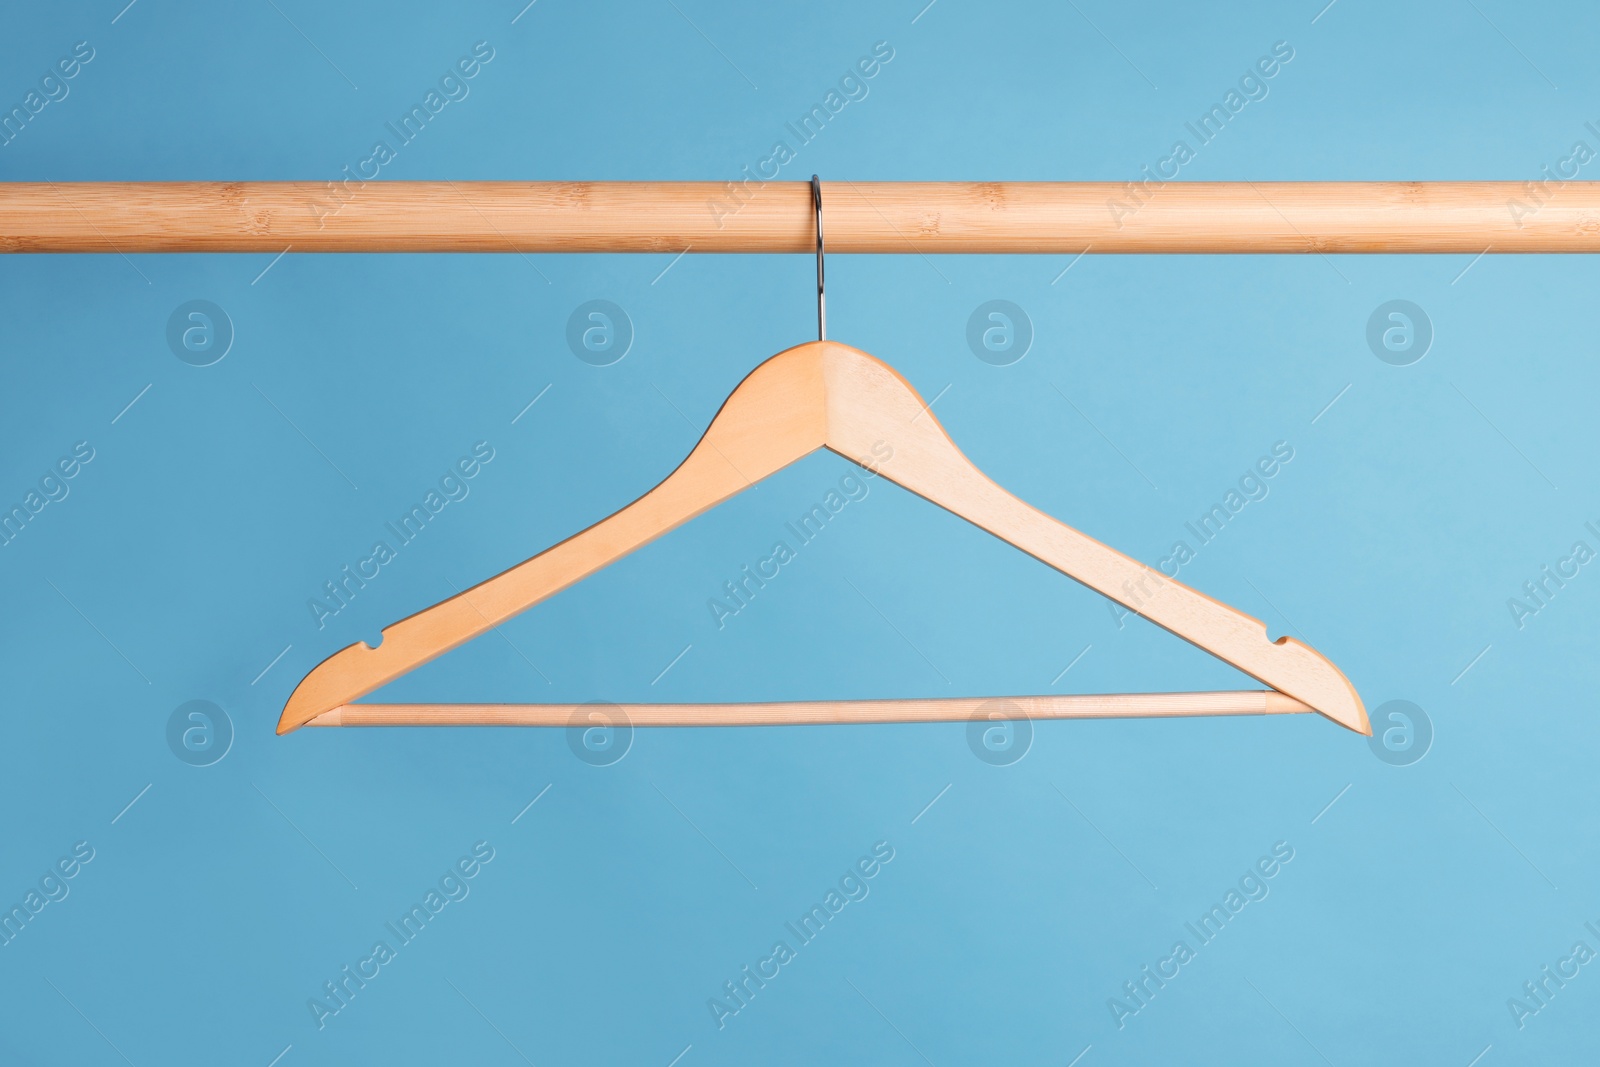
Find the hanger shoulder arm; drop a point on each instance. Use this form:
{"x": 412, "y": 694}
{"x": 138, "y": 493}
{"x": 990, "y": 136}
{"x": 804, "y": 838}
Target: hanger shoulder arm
{"x": 770, "y": 421}
{"x": 874, "y": 413}
{"x": 1287, "y": 665}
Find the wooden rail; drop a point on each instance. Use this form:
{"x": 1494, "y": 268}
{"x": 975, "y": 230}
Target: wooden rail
{"x": 1063, "y": 218}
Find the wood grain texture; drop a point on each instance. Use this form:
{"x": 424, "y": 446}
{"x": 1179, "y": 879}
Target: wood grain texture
{"x": 884, "y": 217}
{"x": 820, "y": 712}
{"x": 826, "y": 395}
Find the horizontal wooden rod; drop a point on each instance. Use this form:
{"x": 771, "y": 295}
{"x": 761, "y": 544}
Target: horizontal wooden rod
{"x": 1063, "y": 218}
{"x": 819, "y": 712}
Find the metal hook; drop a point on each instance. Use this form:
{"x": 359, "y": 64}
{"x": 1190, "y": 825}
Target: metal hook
{"x": 822, "y": 307}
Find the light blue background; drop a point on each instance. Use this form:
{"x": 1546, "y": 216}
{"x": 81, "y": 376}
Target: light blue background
{"x": 1022, "y": 900}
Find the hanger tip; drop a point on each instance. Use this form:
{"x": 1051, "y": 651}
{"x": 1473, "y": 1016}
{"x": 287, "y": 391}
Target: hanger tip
{"x": 1348, "y": 712}
{"x": 1358, "y": 723}
{"x": 1310, "y": 677}
{"x": 300, "y": 709}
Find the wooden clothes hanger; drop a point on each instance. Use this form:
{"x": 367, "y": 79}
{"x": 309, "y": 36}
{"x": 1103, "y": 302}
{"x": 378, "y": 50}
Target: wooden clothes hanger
{"x": 823, "y": 394}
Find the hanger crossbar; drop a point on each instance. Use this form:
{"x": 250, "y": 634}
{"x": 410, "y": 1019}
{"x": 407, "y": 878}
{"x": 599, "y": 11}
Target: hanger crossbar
{"x": 1062, "y": 218}
{"x": 821, "y": 712}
